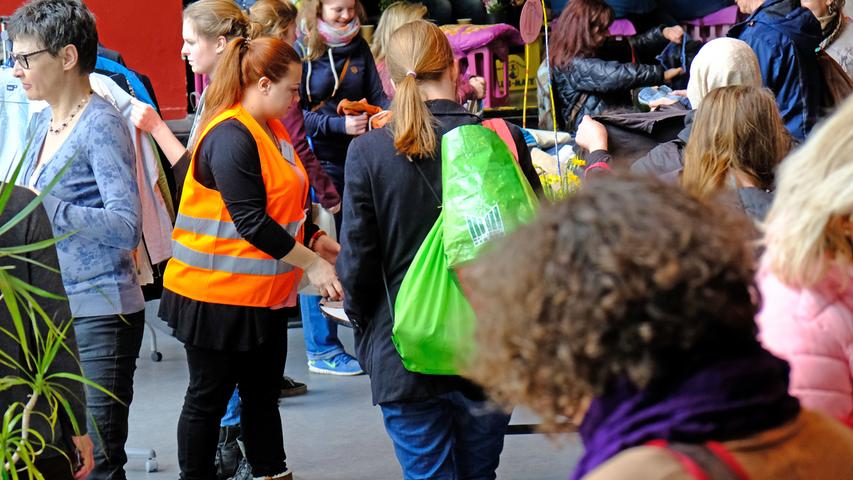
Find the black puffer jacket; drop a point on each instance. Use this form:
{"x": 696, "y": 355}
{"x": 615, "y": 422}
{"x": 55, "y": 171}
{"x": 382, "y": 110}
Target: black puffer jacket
{"x": 587, "y": 86}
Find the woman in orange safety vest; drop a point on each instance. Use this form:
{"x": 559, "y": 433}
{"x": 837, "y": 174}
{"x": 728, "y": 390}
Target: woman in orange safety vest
{"x": 241, "y": 244}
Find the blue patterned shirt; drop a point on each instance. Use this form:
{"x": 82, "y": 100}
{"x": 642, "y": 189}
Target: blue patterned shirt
{"x": 98, "y": 201}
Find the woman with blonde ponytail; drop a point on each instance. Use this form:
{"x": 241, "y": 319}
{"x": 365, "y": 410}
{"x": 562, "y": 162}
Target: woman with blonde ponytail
{"x": 391, "y": 202}
{"x": 241, "y": 244}
{"x": 208, "y": 25}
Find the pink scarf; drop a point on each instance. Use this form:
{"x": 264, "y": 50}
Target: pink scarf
{"x": 338, "y": 37}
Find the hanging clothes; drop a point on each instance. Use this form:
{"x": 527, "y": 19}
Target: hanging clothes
{"x": 14, "y": 118}
{"x": 156, "y": 218}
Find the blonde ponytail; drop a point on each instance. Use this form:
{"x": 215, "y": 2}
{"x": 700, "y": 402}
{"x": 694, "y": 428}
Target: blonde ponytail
{"x": 272, "y": 18}
{"x": 413, "y": 123}
{"x": 418, "y": 51}
{"x": 218, "y": 18}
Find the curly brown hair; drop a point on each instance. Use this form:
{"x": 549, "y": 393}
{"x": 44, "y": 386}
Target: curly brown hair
{"x": 628, "y": 279}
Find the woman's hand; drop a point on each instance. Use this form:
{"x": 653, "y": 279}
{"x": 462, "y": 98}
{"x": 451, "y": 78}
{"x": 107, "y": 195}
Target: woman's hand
{"x": 673, "y": 34}
{"x": 327, "y": 248}
{"x": 479, "y": 86}
{"x": 356, "y": 124}
{"x": 672, "y": 73}
{"x": 591, "y": 135}
{"x": 144, "y": 117}
{"x": 86, "y": 452}
{"x": 322, "y": 276}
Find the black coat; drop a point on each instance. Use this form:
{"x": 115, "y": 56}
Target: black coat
{"x": 667, "y": 157}
{"x": 588, "y": 86}
{"x": 388, "y": 210}
{"x": 35, "y": 228}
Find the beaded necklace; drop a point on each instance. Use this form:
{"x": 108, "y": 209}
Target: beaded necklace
{"x": 70, "y": 117}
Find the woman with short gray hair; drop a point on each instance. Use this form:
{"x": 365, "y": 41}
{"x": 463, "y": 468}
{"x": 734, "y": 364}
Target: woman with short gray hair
{"x": 81, "y": 142}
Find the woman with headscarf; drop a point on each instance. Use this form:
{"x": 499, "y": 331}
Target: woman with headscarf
{"x": 835, "y": 29}
{"x": 720, "y": 63}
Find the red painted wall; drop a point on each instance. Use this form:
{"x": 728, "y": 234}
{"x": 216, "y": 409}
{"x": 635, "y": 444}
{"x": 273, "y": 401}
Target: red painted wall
{"x": 148, "y": 35}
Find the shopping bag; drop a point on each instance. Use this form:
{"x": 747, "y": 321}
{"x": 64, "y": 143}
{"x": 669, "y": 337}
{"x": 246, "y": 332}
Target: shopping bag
{"x": 485, "y": 194}
{"x": 433, "y": 321}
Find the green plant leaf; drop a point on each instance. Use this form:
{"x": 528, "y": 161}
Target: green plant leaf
{"x": 34, "y": 203}
{"x": 85, "y": 381}
{"x": 9, "y": 185}
{"x": 34, "y": 262}
{"x": 11, "y": 300}
{"x": 32, "y": 247}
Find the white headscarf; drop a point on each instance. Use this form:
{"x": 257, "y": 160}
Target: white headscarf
{"x": 722, "y": 62}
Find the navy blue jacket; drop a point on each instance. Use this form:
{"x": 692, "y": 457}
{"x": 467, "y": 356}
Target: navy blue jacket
{"x": 691, "y": 9}
{"x": 785, "y": 37}
{"x": 326, "y": 128}
{"x": 623, "y": 8}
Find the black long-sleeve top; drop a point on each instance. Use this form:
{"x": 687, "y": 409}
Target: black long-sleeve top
{"x": 228, "y": 162}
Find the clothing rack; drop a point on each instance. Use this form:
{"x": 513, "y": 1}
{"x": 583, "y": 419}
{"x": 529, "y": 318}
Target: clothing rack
{"x": 5, "y": 50}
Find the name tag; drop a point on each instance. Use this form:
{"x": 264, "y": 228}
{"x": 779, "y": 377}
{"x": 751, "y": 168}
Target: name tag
{"x": 287, "y": 152}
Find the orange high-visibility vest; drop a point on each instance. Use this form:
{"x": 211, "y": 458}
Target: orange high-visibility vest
{"x": 211, "y": 261}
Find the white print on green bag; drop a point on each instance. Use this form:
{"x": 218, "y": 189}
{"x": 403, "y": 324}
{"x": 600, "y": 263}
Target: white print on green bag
{"x": 482, "y": 229}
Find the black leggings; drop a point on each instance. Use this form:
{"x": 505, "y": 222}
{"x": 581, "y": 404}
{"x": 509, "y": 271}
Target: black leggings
{"x": 213, "y": 376}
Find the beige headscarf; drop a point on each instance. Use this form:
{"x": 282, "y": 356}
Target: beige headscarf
{"x": 722, "y": 62}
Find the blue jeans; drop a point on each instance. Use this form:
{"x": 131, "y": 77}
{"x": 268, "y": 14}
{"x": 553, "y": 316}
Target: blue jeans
{"x": 449, "y": 437}
{"x": 321, "y": 334}
{"x": 109, "y": 346}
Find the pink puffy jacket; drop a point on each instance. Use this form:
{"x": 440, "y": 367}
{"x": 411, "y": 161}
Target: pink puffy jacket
{"x": 813, "y": 330}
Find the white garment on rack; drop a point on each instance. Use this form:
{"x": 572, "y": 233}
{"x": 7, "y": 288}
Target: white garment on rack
{"x": 156, "y": 223}
{"x": 14, "y": 118}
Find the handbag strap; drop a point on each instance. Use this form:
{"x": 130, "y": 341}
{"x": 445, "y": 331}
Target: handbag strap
{"x": 340, "y": 82}
{"x": 426, "y": 182}
{"x": 384, "y": 275}
{"x": 387, "y": 293}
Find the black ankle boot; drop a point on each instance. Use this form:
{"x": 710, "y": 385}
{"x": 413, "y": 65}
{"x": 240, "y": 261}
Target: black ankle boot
{"x": 228, "y": 453}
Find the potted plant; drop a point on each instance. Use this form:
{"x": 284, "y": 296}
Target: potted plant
{"x": 38, "y": 389}
{"x": 496, "y": 11}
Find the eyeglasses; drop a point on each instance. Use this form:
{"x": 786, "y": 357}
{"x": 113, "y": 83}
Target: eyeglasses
{"x": 23, "y": 59}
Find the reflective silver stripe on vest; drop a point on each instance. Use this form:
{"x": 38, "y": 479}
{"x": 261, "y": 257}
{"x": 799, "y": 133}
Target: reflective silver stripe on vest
{"x": 227, "y": 263}
{"x": 220, "y": 229}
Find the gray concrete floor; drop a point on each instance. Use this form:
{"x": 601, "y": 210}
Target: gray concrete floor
{"x": 332, "y": 433}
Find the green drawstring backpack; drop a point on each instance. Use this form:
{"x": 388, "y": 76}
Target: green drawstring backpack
{"x": 485, "y": 197}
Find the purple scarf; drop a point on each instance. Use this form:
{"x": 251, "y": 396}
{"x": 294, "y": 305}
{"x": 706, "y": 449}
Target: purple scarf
{"x": 729, "y": 399}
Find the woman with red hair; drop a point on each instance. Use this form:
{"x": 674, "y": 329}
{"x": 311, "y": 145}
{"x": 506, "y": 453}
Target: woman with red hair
{"x": 241, "y": 244}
